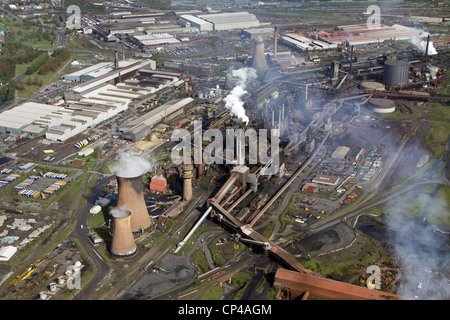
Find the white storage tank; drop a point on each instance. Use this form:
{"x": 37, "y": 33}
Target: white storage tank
{"x": 52, "y": 287}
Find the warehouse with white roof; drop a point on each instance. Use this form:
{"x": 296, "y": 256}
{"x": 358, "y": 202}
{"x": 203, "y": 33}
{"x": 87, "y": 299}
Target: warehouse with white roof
{"x": 190, "y": 20}
{"x": 19, "y": 119}
{"x": 231, "y": 21}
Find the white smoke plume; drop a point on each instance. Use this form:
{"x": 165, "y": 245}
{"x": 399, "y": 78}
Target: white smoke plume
{"x": 130, "y": 165}
{"x": 233, "y": 101}
{"x": 420, "y": 43}
{"x": 423, "y": 255}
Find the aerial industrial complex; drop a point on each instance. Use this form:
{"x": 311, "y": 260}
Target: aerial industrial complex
{"x": 257, "y": 151}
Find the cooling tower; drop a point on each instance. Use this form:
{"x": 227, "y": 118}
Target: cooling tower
{"x": 259, "y": 59}
{"x": 122, "y": 244}
{"x": 131, "y": 197}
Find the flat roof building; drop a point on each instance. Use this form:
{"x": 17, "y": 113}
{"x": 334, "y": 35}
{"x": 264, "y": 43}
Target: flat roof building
{"x": 326, "y": 179}
{"x": 140, "y": 127}
{"x": 126, "y": 69}
{"x": 201, "y": 24}
{"x": 7, "y": 252}
{"x": 30, "y": 117}
{"x": 340, "y": 152}
{"x": 231, "y": 21}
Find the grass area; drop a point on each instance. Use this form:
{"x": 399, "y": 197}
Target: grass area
{"x": 198, "y": 259}
{"x": 362, "y": 252}
{"x": 215, "y": 292}
{"x": 440, "y": 211}
{"x": 107, "y": 167}
{"x": 90, "y": 160}
{"x": 437, "y": 137}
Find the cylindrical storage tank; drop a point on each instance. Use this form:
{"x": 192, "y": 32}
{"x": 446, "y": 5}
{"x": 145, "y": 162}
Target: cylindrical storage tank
{"x": 61, "y": 280}
{"x": 382, "y": 105}
{"x": 52, "y": 287}
{"x": 372, "y": 85}
{"x": 122, "y": 244}
{"x": 396, "y": 72}
{"x": 42, "y": 295}
{"x": 131, "y": 197}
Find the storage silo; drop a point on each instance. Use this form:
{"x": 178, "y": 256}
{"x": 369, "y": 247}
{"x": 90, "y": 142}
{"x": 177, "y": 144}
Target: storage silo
{"x": 396, "y": 72}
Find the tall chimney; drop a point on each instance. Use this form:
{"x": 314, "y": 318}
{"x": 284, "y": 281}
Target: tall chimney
{"x": 275, "y": 43}
{"x": 351, "y": 60}
{"x": 426, "y": 50}
{"x": 122, "y": 244}
{"x": 131, "y": 197}
{"x": 259, "y": 59}
{"x": 187, "y": 174}
{"x": 116, "y": 60}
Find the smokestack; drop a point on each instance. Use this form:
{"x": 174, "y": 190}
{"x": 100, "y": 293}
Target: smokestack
{"x": 259, "y": 59}
{"x": 116, "y": 60}
{"x": 282, "y": 112}
{"x": 426, "y": 50}
{"x": 131, "y": 197}
{"x": 187, "y": 175}
{"x": 351, "y": 60}
{"x": 275, "y": 44}
{"x": 123, "y": 51}
{"x": 122, "y": 244}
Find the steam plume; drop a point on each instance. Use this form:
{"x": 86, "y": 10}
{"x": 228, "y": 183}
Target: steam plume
{"x": 421, "y": 44}
{"x": 129, "y": 166}
{"x": 233, "y": 101}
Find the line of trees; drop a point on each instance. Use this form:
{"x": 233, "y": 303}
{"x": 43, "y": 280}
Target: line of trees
{"x": 54, "y": 62}
{"x": 12, "y": 54}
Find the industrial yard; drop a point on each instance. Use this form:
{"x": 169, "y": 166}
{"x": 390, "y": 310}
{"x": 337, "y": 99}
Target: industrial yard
{"x": 242, "y": 151}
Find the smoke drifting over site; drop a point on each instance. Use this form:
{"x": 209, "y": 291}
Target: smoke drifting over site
{"x": 233, "y": 101}
{"x": 130, "y": 165}
{"x": 420, "y": 43}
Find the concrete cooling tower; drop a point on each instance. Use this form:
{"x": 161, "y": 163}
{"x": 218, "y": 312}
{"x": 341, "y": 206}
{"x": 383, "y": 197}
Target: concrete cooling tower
{"x": 259, "y": 58}
{"x": 131, "y": 197}
{"x": 122, "y": 244}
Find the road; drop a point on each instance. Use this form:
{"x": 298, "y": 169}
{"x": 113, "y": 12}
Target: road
{"x": 101, "y": 266}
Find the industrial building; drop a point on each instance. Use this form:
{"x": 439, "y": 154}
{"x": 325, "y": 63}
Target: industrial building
{"x": 340, "y": 152}
{"x": 78, "y": 117}
{"x": 140, "y": 127}
{"x": 30, "y": 117}
{"x": 348, "y": 35}
{"x": 7, "y": 252}
{"x": 159, "y": 184}
{"x": 303, "y": 43}
{"x": 326, "y": 179}
{"x": 360, "y": 34}
{"x": 155, "y": 39}
{"x": 355, "y": 154}
{"x": 187, "y": 20}
{"x": 122, "y": 70}
{"x": 95, "y": 71}
{"x": 231, "y": 21}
